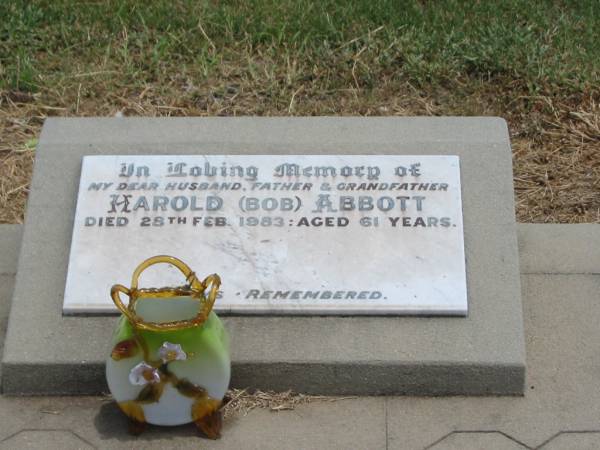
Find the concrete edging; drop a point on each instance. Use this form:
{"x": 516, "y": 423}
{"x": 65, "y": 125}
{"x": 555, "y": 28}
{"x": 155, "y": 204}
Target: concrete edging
{"x": 481, "y": 354}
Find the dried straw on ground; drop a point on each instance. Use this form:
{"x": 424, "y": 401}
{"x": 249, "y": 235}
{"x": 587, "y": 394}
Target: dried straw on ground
{"x": 241, "y": 401}
{"x": 556, "y": 152}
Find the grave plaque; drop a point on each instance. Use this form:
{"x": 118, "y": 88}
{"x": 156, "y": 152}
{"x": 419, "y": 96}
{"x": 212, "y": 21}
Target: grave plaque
{"x": 290, "y": 234}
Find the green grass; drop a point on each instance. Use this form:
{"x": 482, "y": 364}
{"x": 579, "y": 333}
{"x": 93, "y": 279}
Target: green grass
{"x": 534, "y": 62}
{"x": 546, "y": 46}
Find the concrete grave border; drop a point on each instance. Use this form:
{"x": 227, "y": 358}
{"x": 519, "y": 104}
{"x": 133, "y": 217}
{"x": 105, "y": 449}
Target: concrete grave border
{"x": 46, "y": 353}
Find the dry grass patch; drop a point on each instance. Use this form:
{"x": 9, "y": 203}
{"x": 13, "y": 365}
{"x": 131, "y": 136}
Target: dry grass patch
{"x": 556, "y": 141}
{"x": 19, "y": 126}
{"x": 557, "y": 170}
{"x": 15, "y": 174}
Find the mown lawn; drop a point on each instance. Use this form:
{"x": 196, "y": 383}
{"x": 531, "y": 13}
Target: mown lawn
{"x": 536, "y": 63}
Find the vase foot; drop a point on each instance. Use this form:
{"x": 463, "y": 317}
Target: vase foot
{"x": 135, "y": 414}
{"x": 211, "y": 424}
{"x": 136, "y": 428}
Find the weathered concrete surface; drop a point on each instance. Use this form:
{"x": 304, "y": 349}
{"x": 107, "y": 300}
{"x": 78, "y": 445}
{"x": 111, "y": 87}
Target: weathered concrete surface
{"x": 340, "y": 425}
{"x": 559, "y": 248}
{"x": 560, "y": 408}
{"x": 561, "y": 313}
{"x": 481, "y": 354}
{"x": 10, "y": 243}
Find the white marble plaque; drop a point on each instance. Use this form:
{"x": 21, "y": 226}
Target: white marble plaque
{"x": 289, "y": 234}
